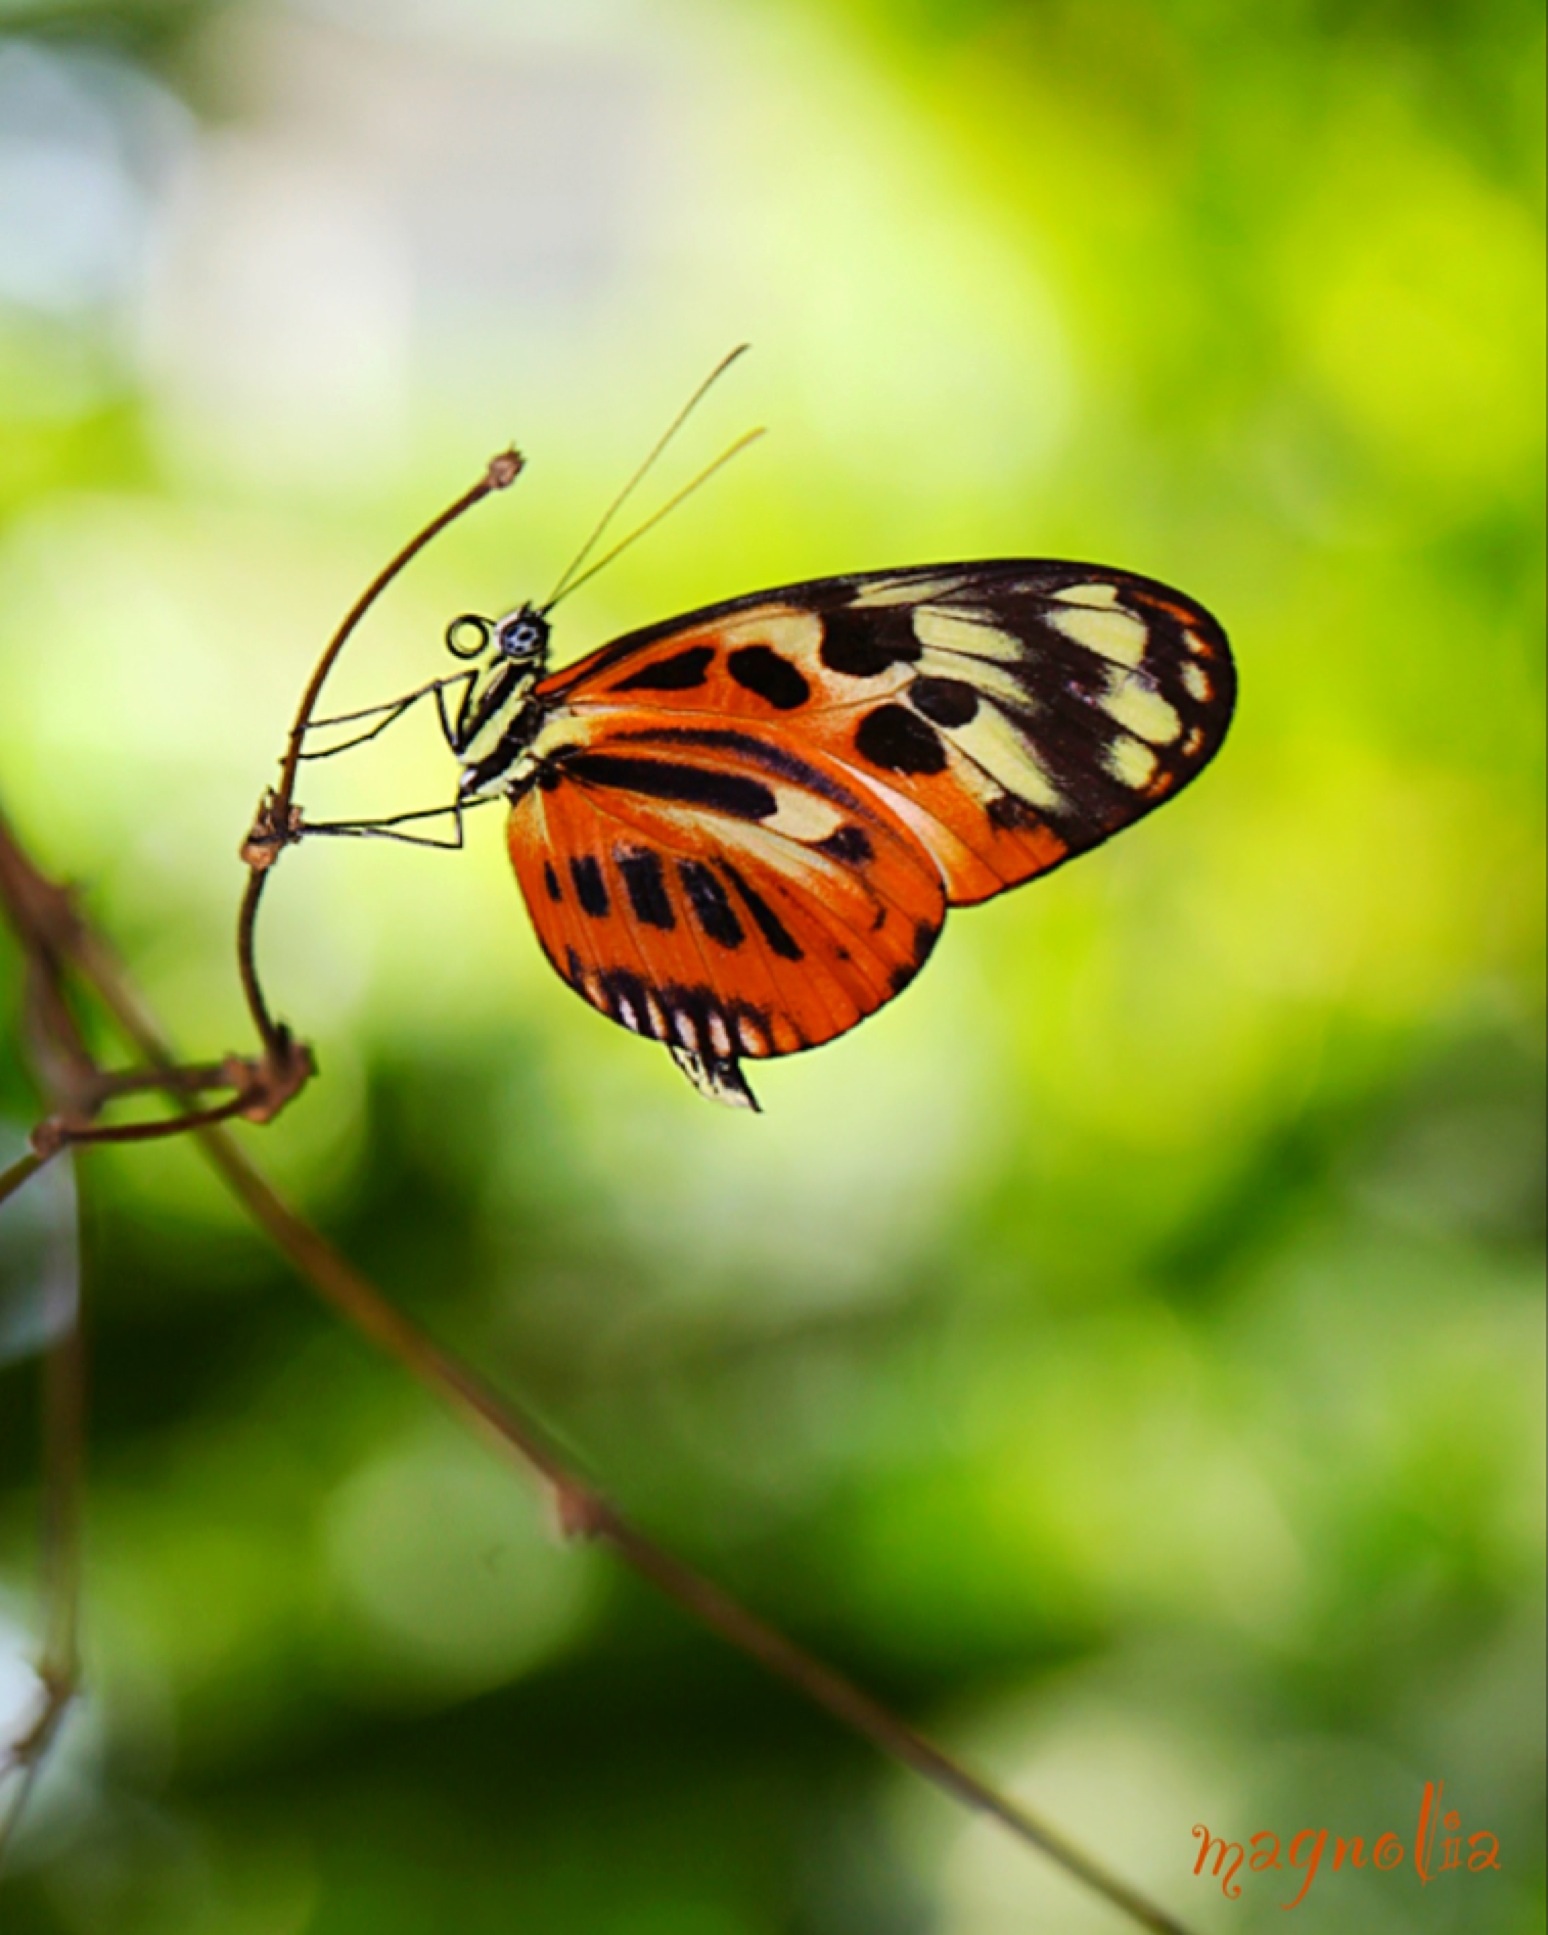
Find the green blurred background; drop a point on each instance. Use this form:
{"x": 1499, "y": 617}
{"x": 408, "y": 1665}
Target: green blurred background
{"x": 1124, "y": 1353}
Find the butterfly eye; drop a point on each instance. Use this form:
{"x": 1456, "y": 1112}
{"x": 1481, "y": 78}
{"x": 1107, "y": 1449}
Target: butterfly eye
{"x": 468, "y": 635}
{"x": 524, "y": 636}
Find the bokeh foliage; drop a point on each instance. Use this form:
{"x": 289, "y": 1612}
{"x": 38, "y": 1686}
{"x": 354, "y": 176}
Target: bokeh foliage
{"x": 1125, "y": 1353}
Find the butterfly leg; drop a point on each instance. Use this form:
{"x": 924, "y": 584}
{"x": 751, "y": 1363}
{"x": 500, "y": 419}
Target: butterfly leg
{"x": 388, "y": 828}
{"x": 449, "y": 730}
{"x": 719, "y": 1079}
{"x": 387, "y": 714}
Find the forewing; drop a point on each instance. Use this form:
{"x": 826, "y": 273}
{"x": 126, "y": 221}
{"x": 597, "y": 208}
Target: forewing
{"x": 1011, "y": 714}
{"x": 726, "y": 899}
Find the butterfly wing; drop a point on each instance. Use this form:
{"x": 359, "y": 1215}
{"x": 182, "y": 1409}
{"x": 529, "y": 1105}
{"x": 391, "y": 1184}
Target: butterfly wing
{"x": 848, "y": 756}
{"x": 1012, "y": 714}
{"x": 725, "y": 899}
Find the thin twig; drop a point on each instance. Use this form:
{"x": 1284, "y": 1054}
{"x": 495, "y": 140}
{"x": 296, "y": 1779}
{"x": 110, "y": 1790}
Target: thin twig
{"x": 64, "y": 1424}
{"x": 583, "y": 1511}
{"x": 20, "y": 1172}
{"x": 68, "y": 1070}
{"x": 58, "y": 1132}
{"x": 64, "y": 1441}
{"x": 278, "y": 824}
{"x": 196, "y": 1078}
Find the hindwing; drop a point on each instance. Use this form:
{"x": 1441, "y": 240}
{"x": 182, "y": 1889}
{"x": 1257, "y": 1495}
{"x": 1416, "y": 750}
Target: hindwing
{"x": 719, "y": 897}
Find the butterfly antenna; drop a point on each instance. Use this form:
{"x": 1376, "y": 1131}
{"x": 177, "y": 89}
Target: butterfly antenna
{"x": 574, "y": 583}
{"x": 568, "y": 580}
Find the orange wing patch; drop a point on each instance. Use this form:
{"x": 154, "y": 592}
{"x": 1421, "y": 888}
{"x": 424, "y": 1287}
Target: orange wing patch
{"x": 706, "y": 899}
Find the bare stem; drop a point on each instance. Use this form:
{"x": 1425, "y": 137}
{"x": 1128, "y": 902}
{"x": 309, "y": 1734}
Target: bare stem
{"x": 64, "y": 1458}
{"x": 60, "y": 1133}
{"x": 20, "y": 1172}
{"x": 64, "y": 1418}
{"x": 584, "y": 1511}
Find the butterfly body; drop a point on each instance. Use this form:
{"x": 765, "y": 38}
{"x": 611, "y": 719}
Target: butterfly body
{"x": 738, "y": 832}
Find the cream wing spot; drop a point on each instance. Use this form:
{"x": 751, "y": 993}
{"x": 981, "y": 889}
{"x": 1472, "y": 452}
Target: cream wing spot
{"x": 793, "y": 634}
{"x": 986, "y": 678}
{"x": 1002, "y": 761}
{"x": 719, "y": 1034}
{"x": 811, "y": 872}
{"x": 1131, "y": 762}
{"x": 905, "y": 591}
{"x": 804, "y": 816}
{"x": 1093, "y": 596}
{"x": 1138, "y": 709}
{"x": 954, "y": 631}
{"x": 1116, "y": 635}
{"x": 1196, "y": 679}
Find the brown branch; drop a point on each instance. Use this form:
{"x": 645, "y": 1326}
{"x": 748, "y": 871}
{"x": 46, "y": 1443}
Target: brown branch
{"x": 194, "y": 1077}
{"x": 585, "y": 1512}
{"x": 52, "y": 934}
{"x": 64, "y": 1417}
{"x": 59, "y": 1132}
{"x": 20, "y": 1172}
{"x": 582, "y": 1510}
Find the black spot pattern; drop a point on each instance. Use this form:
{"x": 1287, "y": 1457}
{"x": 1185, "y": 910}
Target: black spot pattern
{"x": 899, "y": 741}
{"x": 949, "y": 702}
{"x": 590, "y": 887}
{"x": 851, "y": 844}
{"x": 759, "y": 670}
{"x": 864, "y": 641}
{"x": 679, "y": 673}
{"x": 663, "y": 779}
{"x": 670, "y": 1012}
{"x": 770, "y": 926}
{"x": 648, "y": 895}
{"x": 551, "y": 881}
{"x": 711, "y": 907}
{"x": 899, "y": 727}
{"x": 623, "y": 995}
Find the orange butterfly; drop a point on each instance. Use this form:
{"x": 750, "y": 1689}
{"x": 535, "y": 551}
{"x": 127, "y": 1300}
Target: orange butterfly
{"x": 738, "y": 831}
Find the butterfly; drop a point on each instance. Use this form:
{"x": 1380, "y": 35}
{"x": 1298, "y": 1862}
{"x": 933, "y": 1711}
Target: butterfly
{"x": 738, "y": 831}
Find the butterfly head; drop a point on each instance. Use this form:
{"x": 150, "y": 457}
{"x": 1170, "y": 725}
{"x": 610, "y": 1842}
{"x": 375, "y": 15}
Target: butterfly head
{"x": 520, "y": 638}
